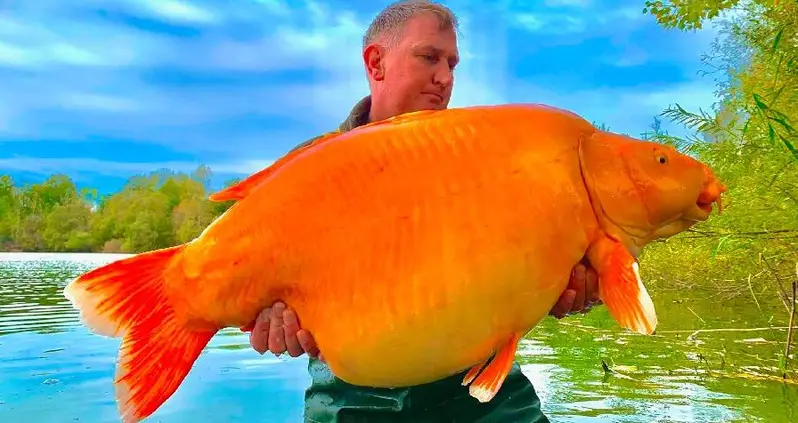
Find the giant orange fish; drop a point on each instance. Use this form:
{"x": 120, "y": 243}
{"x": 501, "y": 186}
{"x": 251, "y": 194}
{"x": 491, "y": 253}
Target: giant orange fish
{"x": 411, "y": 248}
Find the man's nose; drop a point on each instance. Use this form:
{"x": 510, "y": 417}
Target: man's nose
{"x": 444, "y": 76}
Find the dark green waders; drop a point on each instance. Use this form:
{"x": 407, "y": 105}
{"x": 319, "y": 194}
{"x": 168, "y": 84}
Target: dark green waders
{"x": 331, "y": 400}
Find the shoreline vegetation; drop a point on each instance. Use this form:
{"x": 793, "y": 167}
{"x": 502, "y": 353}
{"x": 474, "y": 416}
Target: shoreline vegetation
{"x": 151, "y": 211}
{"x": 749, "y": 138}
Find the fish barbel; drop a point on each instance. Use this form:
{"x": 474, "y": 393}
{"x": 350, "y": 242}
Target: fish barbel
{"x": 412, "y": 248}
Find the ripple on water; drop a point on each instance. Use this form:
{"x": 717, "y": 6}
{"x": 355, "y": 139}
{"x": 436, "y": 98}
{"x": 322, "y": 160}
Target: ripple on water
{"x": 31, "y": 297}
{"x": 53, "y": 368}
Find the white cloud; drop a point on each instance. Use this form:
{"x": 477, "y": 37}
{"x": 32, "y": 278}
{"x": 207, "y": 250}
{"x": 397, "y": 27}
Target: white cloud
{"x": 47, "y": 44}
{"x": 568, "y": 3}
{"x": 55, "y": 53}
{"x": 330, "y": 45}
{"x": 13, "y": 56}
{"x": 691, "y": 96}
{"x": 625, "y": 110}
{"x": 180, "y": 11}
{"x": 481, "y": 75}
{"x": 551, "y": 23}
{"x": 275, "y": 7}
{"x": 605, "y": 20}
{"x": 98, "y": 102}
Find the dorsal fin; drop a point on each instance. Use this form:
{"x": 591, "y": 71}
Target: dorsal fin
{"x": 244, "y": 187}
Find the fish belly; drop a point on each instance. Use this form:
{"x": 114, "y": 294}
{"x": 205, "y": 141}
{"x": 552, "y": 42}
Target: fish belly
{"x": 418, "y": 251}
{"x": 428, "y": 297}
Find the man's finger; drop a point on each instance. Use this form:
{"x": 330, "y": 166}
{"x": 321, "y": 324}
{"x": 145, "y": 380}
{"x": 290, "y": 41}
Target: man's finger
{"x": 276, "y": 332}
{"x": 564, "y": 304}
{"x": 578, "y": 285}
{"x": 259, "y": 337}
{"x": 308, "y": 343}
{"x": 591, "y": 285}
{"x": 291, "y": 327}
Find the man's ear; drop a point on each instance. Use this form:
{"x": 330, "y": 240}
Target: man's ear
{"x": 373, "y": 57}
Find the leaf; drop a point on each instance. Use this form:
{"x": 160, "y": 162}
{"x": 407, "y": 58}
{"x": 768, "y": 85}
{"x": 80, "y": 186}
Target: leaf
{"x": 790, "y": 147}
{"x": 759, "y": 103}
{"x": 777, "y": 40}
{"x": 720, "y": 243}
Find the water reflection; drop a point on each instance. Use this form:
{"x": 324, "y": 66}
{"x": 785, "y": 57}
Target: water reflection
{"x": 54, "y": 369}
{"x": 57, "y": 371}
{"x": 663, "y": 378}
{"x": 596, "y": 396}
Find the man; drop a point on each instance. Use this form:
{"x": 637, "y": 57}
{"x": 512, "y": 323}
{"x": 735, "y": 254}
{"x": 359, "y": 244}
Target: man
{"x": 410, "y": 53}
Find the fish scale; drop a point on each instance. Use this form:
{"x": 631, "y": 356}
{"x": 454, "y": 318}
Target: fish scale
{"x": 411, "y": 249}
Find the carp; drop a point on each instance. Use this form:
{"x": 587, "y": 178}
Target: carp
{"x": 411, "y": 248}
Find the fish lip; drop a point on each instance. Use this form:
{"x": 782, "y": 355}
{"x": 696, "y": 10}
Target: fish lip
{"x": 705, "y": 207}
{"x": 712, "y": 191}
{"x": 708, "y": 199}
{"x": 699, "y": 212}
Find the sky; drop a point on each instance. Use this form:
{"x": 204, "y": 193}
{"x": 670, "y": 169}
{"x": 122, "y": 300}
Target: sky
{"x": 102, "y": 90}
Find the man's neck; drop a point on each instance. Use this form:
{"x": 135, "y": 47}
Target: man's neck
{"x": 379, "y": 110}
{"x": 375, "y": 115}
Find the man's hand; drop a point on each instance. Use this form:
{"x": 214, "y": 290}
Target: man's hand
{"x": 277, "y": 330}
{"x": 581, "y": 294}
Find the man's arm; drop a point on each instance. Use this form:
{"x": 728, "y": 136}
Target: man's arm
{"x": 277, "y": 328}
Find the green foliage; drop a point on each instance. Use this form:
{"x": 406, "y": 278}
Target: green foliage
{"x": 750, "y": 140}
{"x": 686, "y": 14}
{"x": 151, "y": 211}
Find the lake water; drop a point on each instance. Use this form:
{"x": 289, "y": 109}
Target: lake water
{"x": 52, "y": 370}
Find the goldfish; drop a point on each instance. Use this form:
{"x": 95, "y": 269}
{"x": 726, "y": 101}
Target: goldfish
{"x": 412, "y": 248}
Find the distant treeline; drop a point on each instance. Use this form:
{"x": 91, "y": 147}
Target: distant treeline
{"x": 151, "y": 211}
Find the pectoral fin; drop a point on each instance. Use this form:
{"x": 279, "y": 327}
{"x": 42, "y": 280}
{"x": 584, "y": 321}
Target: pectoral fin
{"x": 488, "y": 382}
{"x": 621, "y": 288}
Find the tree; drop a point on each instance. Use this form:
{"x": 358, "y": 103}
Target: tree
{"x": 151, "y": 211}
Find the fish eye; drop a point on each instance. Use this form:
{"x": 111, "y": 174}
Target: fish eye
{"x": 662, "y": 158}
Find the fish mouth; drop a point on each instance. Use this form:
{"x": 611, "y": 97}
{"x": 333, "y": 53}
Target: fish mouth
{"x": 711, "y": 195}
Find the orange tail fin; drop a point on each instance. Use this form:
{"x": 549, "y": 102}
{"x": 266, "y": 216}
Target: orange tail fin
{"x": 621, "y": 288}
{"x": 127, "y": 298}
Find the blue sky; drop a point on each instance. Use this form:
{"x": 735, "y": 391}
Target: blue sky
{"x": 102, "y": 90}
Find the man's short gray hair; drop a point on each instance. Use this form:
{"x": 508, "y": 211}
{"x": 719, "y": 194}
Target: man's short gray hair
{"x": 394, "y": 17}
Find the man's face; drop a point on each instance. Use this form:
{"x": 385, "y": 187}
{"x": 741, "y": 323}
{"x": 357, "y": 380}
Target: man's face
{"x": 419, "y": 69}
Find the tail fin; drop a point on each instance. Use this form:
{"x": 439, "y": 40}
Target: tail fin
{"x": 127, "y": 298}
